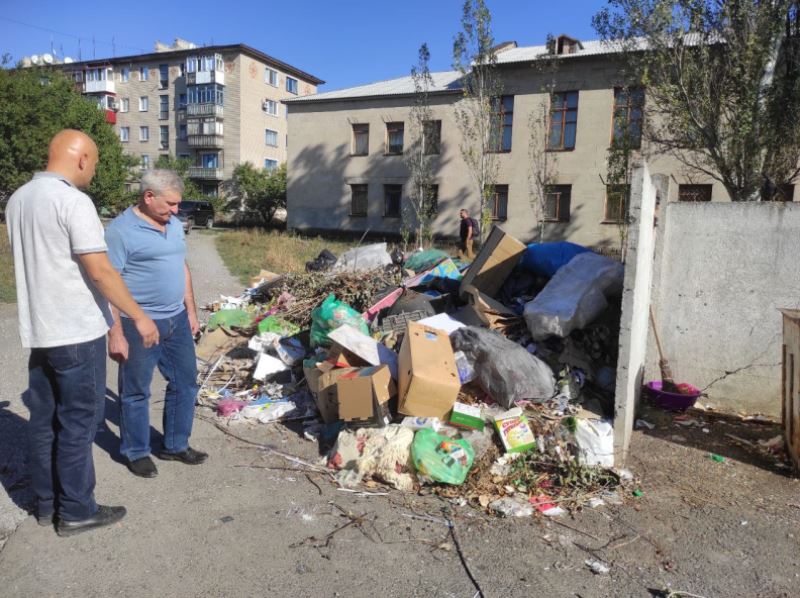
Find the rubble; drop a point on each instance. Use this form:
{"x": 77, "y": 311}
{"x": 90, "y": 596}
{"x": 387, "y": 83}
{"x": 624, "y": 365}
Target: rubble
{"x": 427, "y": 377}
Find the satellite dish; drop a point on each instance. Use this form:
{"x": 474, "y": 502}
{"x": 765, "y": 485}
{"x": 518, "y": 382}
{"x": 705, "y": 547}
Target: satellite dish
{"x": 47, "y": 58}
{"x": 68, "y": 60}
{"x": 35, "y": 59}
{"x": 25, "y": 62}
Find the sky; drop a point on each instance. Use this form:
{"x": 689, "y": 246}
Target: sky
{"x": 343, "y": 42}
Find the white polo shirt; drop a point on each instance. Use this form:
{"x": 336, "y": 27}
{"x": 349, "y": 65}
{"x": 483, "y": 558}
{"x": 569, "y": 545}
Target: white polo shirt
{"x": 50, "y": 223}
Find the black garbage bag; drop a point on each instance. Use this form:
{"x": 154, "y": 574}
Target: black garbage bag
{"x": 504, "y": 369}
{"x": 322, "y": 263}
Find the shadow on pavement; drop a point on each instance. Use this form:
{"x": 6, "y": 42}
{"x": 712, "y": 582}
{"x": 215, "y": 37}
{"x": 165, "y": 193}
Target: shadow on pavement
{"x": 108, "y": 440}
{"x": 13, "y": 457}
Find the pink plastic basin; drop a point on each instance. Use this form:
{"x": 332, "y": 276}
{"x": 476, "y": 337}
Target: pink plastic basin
{"x": 673, "y": 401}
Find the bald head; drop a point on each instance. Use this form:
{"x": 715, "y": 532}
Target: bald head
{"x": 73, "y": 155}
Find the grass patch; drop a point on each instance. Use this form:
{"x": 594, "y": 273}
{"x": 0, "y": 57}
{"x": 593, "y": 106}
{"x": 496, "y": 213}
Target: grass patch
{"x": 246, "y": 252}
{"x": 8, "y": 290}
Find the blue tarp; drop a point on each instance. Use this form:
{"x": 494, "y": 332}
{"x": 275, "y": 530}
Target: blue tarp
{"x": 544, "y": 259}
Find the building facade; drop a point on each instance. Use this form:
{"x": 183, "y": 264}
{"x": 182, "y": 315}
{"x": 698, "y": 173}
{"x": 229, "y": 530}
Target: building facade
{"x": 346, "y": 168}
{"x": 217, "y": 106}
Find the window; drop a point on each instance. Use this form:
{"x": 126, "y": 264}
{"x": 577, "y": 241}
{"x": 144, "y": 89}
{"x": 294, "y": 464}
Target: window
{"x": 181, "y": 101}
{"x": 211, "y": 93}
{"x": 394, "y": 138}
{"x": 270, "y": 107}
{"x": 206, "y": 126}
{"x": 783, "y": 192}
{"x": 182, "y": 133}
{"x": 124, "y": 104}
{"x": 628, "y": 116}
{"x": 270, "y": 164}
{"x": 498, "y": 202}
{"x": 144, "y": 103}
{"x": 563, "y": 120}
{"x": 291, "y": 85}
{"x": 143, "y": 73}
{"x": 392, "y": 195}
{"x": 431, "y": 198}
{"x": 360, "y": 140}
{"x": 271, "y": 137}
{"x": 210, "y": 160}
{"x": 616, "y": 203}
{"x": 163, "y": 136}
{"x": 271, "y": 77}
{"x": 124, "y": 134}
{"x": 431, "y": 136}
{"x": 181, "y": 69}
{"x": 144, "y": 133}
{"x": 358, "y": 200}
{"x": 502, "y": 119}
{"x": 694, "y": 192}
{"x": 163, "y": 76}
{"x": 125, "y": 74}
{"x": 556, "y": 203}
{"x": 163, "y": 107}
{"x": 145, "y": 162}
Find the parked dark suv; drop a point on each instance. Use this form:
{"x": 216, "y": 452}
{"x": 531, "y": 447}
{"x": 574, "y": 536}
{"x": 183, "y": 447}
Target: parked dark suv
{"x": 196, "y": 213}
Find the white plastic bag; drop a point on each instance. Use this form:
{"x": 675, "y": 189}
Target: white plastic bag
{"x": 575, "y": 296}
{"x": 360, "y": 259}
{"x": 595, "y": 438}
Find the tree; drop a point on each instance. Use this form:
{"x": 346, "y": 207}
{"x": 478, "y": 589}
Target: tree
{"x": 474, "y": 57}
{"x": 262, "y": 191}
{"x": 36, "y": 103}
{"x": 722, "y": 82}
{"x": 423, "y": 144}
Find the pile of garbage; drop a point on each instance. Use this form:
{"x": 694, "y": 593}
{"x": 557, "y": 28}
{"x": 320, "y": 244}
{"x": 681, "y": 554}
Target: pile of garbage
{"x": 490, "y": 383}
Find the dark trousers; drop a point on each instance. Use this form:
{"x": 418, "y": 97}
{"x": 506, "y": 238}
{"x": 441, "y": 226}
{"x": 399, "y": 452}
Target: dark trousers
{"x": 65, "y": 398}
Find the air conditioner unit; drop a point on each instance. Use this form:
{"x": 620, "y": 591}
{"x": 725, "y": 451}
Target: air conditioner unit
{"x": 114, "y": 105}
{"x": 265, "y": 105}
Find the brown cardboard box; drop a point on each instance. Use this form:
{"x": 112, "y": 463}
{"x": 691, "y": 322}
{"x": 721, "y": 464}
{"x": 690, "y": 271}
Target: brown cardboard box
{"x": 494, "y": 262}
{"x": 344, "y": 358}
{"x": 484, "y": 311}
{"x": 322, "y": 384}
{"x": 428, "y": 379}
{"x": 217, "y": 343}
{"x": 364, "y": 395}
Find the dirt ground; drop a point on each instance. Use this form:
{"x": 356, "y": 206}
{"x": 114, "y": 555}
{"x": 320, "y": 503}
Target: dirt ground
{"x": 248, "y": 523}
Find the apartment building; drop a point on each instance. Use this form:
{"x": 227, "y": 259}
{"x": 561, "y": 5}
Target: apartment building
{"x": 218, "y": 106}
{"x": 346, "y": 167}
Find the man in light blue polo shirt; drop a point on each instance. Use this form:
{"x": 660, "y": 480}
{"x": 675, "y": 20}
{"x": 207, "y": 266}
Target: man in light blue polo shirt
{"x": 146, "y": 245}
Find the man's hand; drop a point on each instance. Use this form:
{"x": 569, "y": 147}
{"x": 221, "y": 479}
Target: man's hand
{"x": 147, "y": 330}
{"x": 117, "y": 346}
{"x": 193, "y": 323}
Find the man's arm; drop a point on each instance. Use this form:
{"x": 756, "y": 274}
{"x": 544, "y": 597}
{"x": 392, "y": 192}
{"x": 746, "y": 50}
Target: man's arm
{"x": 110, "y": 284}
{"x": 469, "y": 230}
{"x": 188, "y": 301}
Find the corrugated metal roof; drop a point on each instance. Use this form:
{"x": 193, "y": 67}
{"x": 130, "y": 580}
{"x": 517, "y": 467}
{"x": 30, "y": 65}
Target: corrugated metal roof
{"x": 443, "y": 81}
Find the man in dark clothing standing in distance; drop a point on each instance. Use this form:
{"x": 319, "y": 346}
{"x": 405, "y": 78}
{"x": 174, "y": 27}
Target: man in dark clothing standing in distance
{"x": 468, "y": 233}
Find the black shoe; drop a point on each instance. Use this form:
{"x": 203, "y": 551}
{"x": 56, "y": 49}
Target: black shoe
{"x": 189, "y": 456}
{"x": 144, "y": 467}
{"x": 44, "y": 520}
{"x": 104, "y": 516}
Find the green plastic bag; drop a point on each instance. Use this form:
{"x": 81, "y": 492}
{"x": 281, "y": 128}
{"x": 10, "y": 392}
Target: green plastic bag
{"x": 278, "y": 326}
{"x": 425, "y": 260}
{"x": 441, "y": 459}
{"x": 230, "y": 318}
{"x": 329, "y": 316}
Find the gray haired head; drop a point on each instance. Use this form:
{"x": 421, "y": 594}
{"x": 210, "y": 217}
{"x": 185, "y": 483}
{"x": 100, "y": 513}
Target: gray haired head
{"x": 160, "y": 180}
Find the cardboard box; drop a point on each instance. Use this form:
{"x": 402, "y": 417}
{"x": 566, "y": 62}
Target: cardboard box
{"x": 364, "y": 395}
{"x": 494, "y": 262}
{"x": 467, "y": 416}
{"x": 428, "y": 378}
{"x": 322, "y": 383}
{"x": 364, "y": 347}
{"x": 515, "y": 431}
{"x": 484, "y": 311}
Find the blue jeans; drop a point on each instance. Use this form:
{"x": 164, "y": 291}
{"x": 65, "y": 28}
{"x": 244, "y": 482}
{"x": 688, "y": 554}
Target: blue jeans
{"x": 174, "y": 355}
{"x": 65, "y": 397}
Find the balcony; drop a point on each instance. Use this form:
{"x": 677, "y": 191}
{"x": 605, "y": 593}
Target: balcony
{"x": 216, "y": 141}
{"x": 102, "y": 86}
{"x": 204, "y": 110}
{"x": 111, "y": 117}
{"x": 199, "y": 172}
{"x": 202, "y": 77}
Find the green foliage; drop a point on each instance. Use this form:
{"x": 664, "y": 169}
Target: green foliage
{"x": 36, "y": 103}
{"x": 722, "y": 81}
{"x": 261, "y": 191}
{"x": 190, "y": 187}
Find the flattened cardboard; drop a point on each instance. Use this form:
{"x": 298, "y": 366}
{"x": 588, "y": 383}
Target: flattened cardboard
{"x": 263, "y": 276}
{"x": 494, "y": 262}
{"x": 217, "y": 343}
{"x": 322, "y": 384}
{"x": 365, "y": 347}
{"x": 487, "y": 311}
{"x": 364, "y": 395}
{"x": 428, "y": 378}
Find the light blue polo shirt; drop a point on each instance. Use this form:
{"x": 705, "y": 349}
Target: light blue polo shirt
{"x": 150, "y": 262}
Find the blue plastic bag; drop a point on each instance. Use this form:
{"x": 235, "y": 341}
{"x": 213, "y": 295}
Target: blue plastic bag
{"x": 544, "y": 259}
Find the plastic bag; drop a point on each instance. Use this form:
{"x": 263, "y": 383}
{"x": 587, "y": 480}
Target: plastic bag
{"x": 361, "y": 259}
{"x": 545, "y": 259}
{"x": 322, "y": 263}
{"x": 504, "y": 369}
{"x": 278, "y": 326}
{"x": 574, "y": 297}
{"x": 329, "y": 316}
{"x": 424, "y": 260}
{"x": 230, "y": 318}
{"x": 441, "y": 459}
